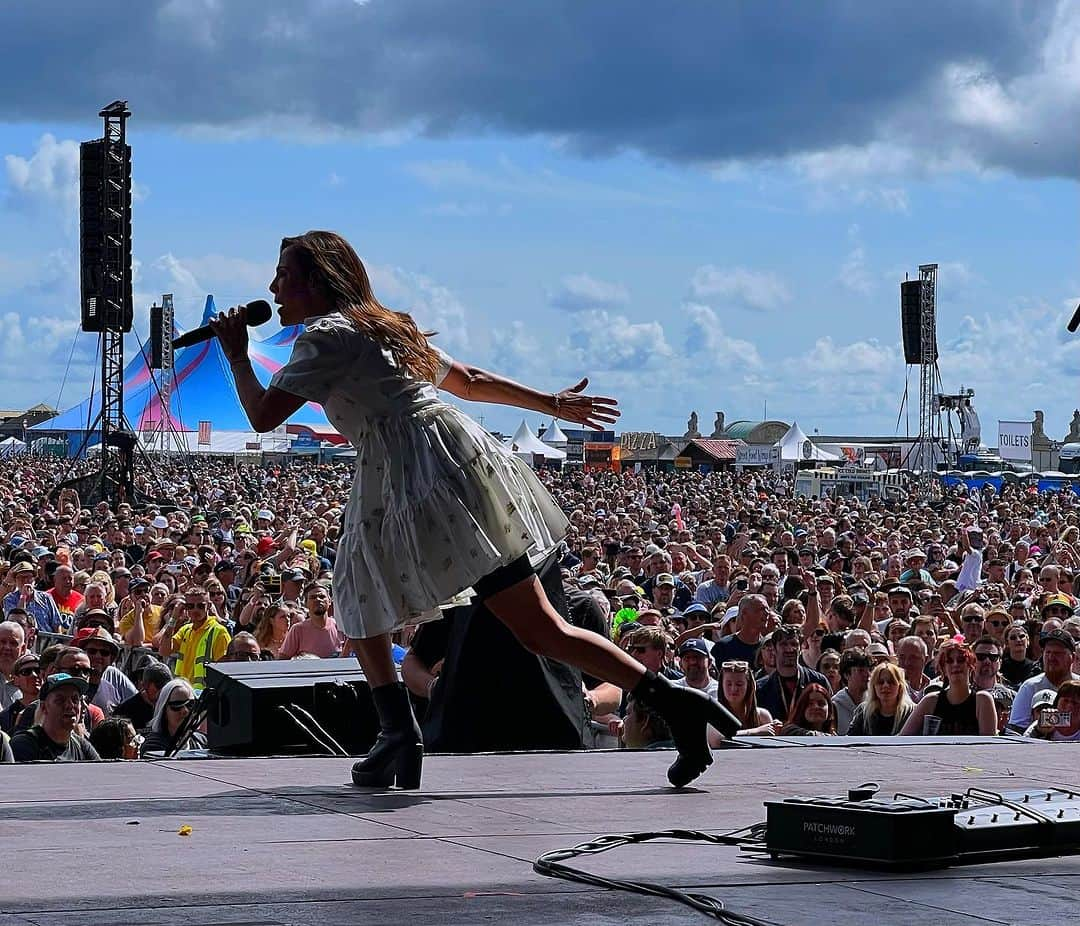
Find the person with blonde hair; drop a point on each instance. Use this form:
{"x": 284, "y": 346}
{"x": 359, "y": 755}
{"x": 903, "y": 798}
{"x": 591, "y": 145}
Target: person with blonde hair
{"x": 886, "y": 706}
{"x": 438, "y": 506}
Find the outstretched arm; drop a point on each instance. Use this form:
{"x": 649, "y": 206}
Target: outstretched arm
{"x": 479, "y": 385}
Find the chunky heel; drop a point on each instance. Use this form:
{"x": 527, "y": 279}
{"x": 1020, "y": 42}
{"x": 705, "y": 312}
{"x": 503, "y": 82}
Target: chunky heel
{"x": 688, "y": 714}
{"x": 410, "y": 763}
{"x": 398, "y": 751}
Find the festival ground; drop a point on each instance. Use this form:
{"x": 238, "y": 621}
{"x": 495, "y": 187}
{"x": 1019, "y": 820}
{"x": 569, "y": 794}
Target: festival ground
{"x": 288, "y": 841}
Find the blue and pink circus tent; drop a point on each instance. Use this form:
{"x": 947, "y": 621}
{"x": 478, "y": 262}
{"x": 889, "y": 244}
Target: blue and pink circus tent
{"x": 203, "y": 390}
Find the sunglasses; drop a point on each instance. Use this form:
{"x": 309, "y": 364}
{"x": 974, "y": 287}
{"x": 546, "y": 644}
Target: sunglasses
{"x": 195, "y": 606}
{"x": 98, "y": 651}
{"x": 181, "y": 705}
{"x": 987, "y": 657}
{"x": 735, "y": 665}
{"x": 246, "y": 657}
{"x": 972, "y": 620}
{"x": 81, "y": 671}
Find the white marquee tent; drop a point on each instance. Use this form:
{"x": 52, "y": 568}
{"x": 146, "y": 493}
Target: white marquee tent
{"x": 527, "y": 444}
{"x": 555, "y": 436}
{"x": 796, "y": 447}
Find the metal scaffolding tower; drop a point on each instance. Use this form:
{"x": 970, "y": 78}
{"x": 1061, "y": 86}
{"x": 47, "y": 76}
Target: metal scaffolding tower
{"x": 163, "y": 439}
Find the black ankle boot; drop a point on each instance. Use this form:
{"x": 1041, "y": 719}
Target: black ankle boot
{"x": 687, "y": 712}
{"x": 398, "y": 753}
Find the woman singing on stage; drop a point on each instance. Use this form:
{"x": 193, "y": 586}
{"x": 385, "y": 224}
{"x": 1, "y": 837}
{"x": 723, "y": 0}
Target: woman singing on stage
{"x": 437, "y": 505}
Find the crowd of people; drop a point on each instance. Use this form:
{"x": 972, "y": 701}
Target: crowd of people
{"x": 804, "y": 617}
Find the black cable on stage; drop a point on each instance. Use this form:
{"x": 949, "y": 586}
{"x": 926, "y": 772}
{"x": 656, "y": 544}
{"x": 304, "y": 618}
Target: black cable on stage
{"x": 550, "y": 865}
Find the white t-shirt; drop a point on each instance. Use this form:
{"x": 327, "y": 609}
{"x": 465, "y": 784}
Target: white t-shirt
{"x": 1021, "y": 715}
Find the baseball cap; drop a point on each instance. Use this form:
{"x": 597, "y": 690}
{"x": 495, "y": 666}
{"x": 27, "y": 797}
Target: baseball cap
{"x": 293, "y": 575}
{"x": 1058, "y": 636}
{"x": 1044, "y": 698}
{"x": 265, "y": 514}
{"x": 138, "y": 582}
{"x": 224, "y": 565}
{"x": 60, "y": 680}
{"x": 877, "y": 649}
{"x": 264, "y": 546}
{"x": 695, "y": 608}
{"x": 22, "y": 566}
{"x": 695, "y": 645}
{"x": 665, "y": 578}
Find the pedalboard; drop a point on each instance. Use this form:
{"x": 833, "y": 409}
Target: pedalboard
{"x": 925, "y": 832}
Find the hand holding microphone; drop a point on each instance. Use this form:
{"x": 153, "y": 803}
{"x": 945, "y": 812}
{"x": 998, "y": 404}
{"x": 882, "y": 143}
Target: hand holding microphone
{"x": 231, "y": 328}
{"x": 254, "y": 313}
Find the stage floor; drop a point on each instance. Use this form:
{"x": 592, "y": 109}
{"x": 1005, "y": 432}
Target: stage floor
{"x": 289, "y": 841}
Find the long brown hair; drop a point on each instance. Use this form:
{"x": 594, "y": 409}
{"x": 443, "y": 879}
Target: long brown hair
{"x": 798, "y": 709}
{"x": 340, "y": 273}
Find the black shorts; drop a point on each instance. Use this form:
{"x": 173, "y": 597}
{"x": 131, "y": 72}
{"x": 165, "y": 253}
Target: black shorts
{"x": 502, "y": 578}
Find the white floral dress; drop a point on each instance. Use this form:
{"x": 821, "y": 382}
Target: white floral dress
{"x": 436, "y": 502}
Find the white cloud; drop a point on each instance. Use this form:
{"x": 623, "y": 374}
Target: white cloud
{"x": 854, "y": 274}
{"x": 515, "y": 348}
{"x": 434, "y": 306}
{"x": 50, "y": 176}
{"x": 739, "y": 286}
{"x": 581, "y": 292}
{"x": 706, "y": 337}
{"x": 600, "y": 341}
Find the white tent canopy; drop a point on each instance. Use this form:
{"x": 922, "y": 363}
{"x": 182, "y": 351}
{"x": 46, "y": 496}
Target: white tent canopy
{"x": 11, "y": 445}
{"x": 554, "y": 435}
{"x": 526, "y": 443}
{"x": 796, "y": 447}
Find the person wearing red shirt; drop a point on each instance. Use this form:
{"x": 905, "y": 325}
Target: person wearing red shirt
{"x": 64, "y": 594}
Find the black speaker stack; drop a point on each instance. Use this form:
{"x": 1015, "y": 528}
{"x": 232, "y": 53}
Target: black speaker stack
{"x": 105, "y": 235}
{"x": 911, "y": 322}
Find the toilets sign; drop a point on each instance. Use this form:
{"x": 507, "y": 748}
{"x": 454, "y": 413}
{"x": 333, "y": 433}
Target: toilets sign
{"x": 1014, "y": 441}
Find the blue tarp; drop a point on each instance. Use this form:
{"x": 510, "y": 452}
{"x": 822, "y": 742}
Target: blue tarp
{"x": 202, "y": 388}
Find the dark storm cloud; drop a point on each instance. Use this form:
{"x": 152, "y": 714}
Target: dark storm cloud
{"x": 685, "y": 81}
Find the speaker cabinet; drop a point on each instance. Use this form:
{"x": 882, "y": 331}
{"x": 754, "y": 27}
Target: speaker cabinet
{"x": 247, "y": 717}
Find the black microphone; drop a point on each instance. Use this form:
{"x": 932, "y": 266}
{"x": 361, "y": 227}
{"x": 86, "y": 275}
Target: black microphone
{"x": 1075, "y": 323}
{"x": 257, "y": 312}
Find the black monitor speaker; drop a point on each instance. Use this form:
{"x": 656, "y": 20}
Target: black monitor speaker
{"x": 253, "y": 705}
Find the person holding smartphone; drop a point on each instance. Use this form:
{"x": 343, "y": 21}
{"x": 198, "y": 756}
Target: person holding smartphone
{"x": 1061, "y": 722}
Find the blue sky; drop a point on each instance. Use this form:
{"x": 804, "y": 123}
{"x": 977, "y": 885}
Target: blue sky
{"x": 709, "y": 207}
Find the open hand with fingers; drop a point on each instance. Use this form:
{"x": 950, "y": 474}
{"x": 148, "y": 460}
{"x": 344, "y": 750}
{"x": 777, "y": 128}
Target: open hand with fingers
{"x": 592, "y": 411}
